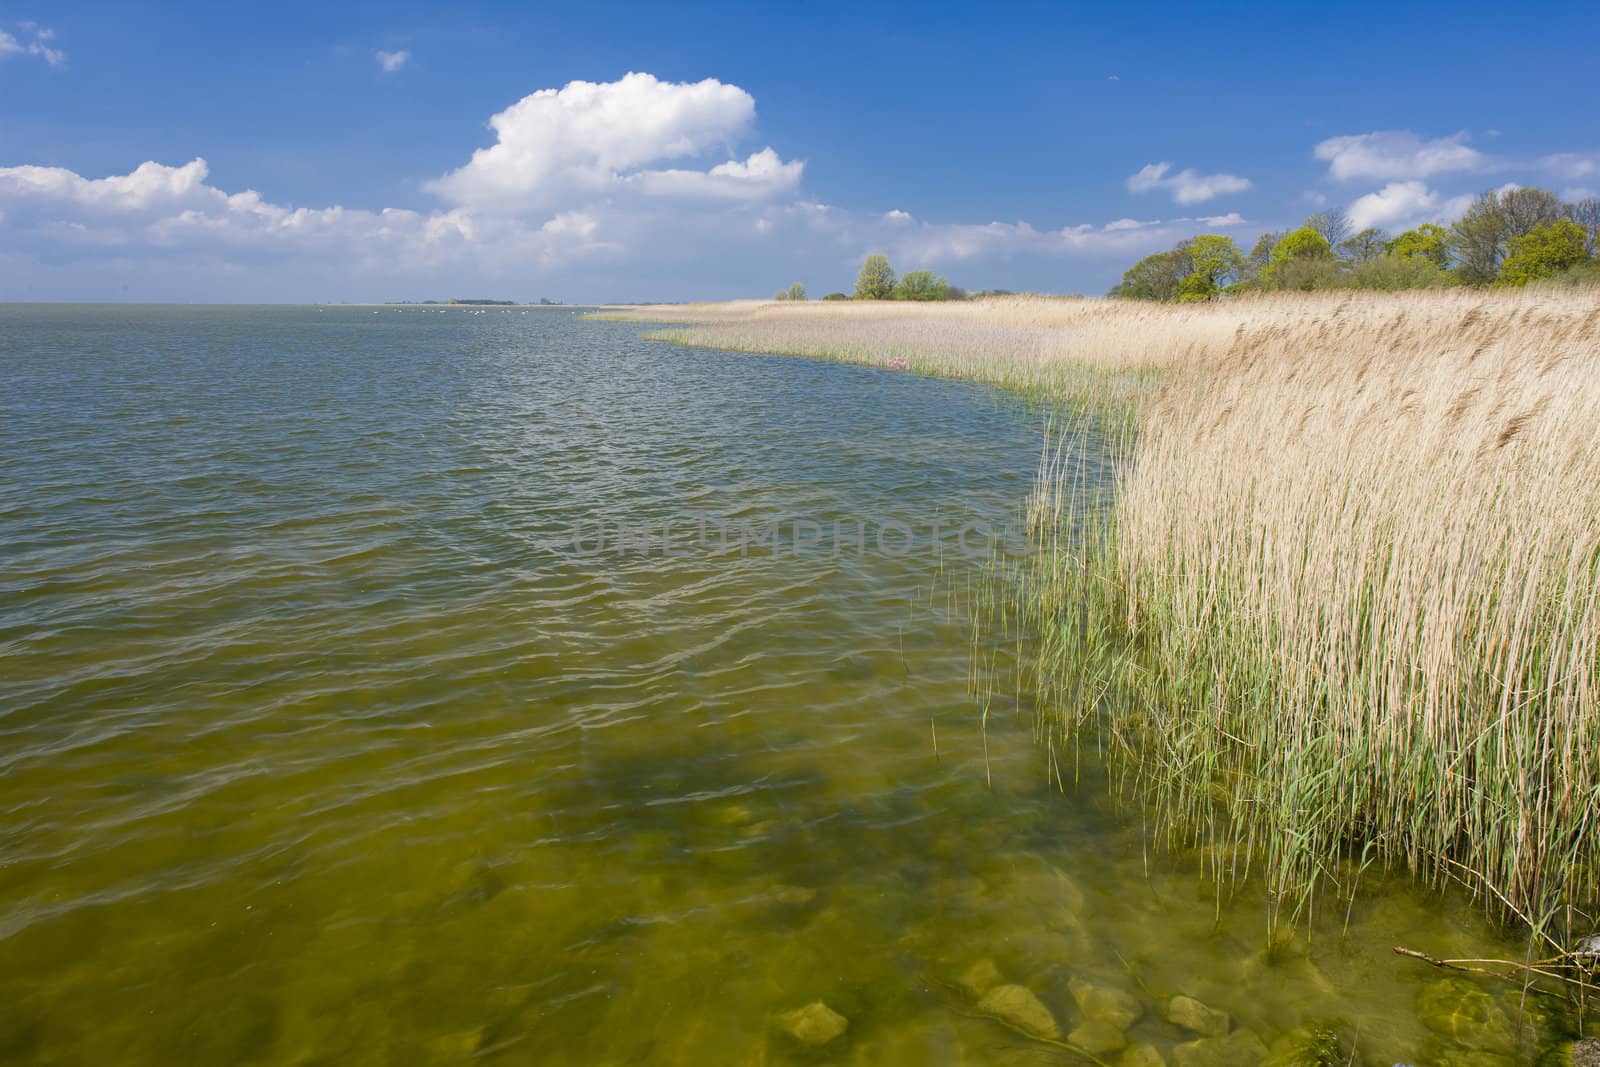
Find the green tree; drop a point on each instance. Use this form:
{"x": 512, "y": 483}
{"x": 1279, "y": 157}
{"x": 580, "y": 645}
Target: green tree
{"x": 837, "y": 296}
{"x": 796, "y": 291}
{"x": 1428, "y": 241}
{"x": 1302, "y": 259}
{"x": 1543, "y": 252}
{"x": 876, "y": 280}
{"x": 1196, "y": 269}
{"x": 1481, "y": 239}
{"x": 1364, "y": 246}
{"x": 1214, "y": 263}
{"x": 1155, "y": 277}
{"x": 922, "y": 285}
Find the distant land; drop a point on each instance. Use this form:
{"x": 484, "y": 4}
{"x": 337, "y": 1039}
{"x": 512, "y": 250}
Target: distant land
{"x": 542, "y": 301}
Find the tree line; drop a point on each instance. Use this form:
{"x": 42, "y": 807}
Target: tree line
{"x": 877, "y": 281}
{"x": 1507, "y": 237}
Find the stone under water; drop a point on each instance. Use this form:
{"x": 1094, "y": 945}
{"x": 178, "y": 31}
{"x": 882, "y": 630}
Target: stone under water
{"x": 1200, "y": 1018}
{"x": 815, "y": 1025}
{"x": 1017, "y": 1006}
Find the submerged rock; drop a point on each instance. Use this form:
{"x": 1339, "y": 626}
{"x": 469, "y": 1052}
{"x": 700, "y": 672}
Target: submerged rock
{"x": 1585, "y": 1053}
{"x": 978, "y": 979}
{"x": 1142, "y": 1055}
{"x": 815, "y": 1025}
{"x": 1017, "y": 1006}
{"x": 462, "y": 1045}
{"x": 1097, "y": 1036}
{"x": 1459, "y": 1010}
{"x": 1241, "y": 1048}
{"x": 1199, "y": 1018}
{"x": 1307, "y": 1046}
{"x": 1104, "y": 1004}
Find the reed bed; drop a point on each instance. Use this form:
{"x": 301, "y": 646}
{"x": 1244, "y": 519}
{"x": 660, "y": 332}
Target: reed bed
{"x": 1347, "y": 604}
{"x": 1084, "y": 353}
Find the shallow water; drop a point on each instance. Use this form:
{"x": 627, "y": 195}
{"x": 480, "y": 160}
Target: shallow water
{"x": 338, "y": 727}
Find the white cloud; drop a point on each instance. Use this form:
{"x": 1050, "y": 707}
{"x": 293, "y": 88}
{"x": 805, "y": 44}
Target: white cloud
{"x": 392, "y": 61}
{"x": 1186, "y": 186}
{"x": 934, "y": 244}
{"x": 1402, "y": 205}
{"x": 1385, "y": 155}
{"x": 173, "y": 209}
{"x": 595, "y": 139}
{"x": 1571, "y": 166}
{"x": 148, "y": 185}
{"x": 896, "y": 215}
{"x": 764, "y": 174}
{"x": 37, "y": 46}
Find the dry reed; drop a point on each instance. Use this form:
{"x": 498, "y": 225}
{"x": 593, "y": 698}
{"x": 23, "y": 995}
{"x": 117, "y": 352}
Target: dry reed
{"x": 1348, "y": 600}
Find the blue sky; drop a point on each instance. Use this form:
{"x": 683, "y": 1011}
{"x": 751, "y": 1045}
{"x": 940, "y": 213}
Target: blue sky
{"x": 1018, "y": 147}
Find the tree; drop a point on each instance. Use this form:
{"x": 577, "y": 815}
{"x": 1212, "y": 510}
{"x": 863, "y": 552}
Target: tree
{"x": 1586, "y": 213}
{"x": 1428, "y": 241}
{"x": 1214, "y": 263}
{"x": 1196, "y": 269}
{"x": 1331, "y": 224}
{"x": 876, "y": 280}
{"x": 921, "y": 285}
{"x": 1155, "y": 277}
{"x": 837, "y": 296}
{"x": 1481, "y": 239}
{"x": 1364, "y": 246}
{"x": 1253, "y": 274}
{"x": 796, "y": 291}
{"x": 1543, "y": 252}
{"x": 1305, "y": 243}
{"x": 1302, "y": 259}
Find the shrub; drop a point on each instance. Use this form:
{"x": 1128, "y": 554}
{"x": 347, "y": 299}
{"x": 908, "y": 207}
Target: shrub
{"x": 1543, "y": 252}
{"x": 922, "y": 285}
{"x": 1395, "y": 271}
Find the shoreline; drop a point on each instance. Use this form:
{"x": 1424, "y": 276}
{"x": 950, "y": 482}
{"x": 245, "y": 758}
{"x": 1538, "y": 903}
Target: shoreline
{"x": 1332, "y": 568}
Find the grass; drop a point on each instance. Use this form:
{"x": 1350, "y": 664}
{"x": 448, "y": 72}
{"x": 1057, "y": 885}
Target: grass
{"x": 1346, "y": 607}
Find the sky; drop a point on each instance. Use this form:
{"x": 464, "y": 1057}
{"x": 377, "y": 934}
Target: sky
{"x": 615, "y": 153}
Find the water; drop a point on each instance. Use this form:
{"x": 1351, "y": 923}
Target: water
{"x": 333, "y": 734}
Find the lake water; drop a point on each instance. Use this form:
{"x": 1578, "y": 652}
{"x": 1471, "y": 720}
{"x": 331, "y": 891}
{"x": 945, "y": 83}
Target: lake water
{"x": 426, "y": 686}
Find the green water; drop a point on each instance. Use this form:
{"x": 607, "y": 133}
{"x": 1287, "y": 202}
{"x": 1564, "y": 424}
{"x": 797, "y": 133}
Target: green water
{"x": 326, "y": 737}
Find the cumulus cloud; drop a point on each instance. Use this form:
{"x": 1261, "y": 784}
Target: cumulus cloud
{"x": 174, "y": 209}
{"x": 1401, "y": 205}
{"x": 1186, "y": 186}
{"x": 594, "y": 139}
{"x": 764, "y": 174}
{"x": 38, "y": 40}
{"x": 392, "y": 61}
{"x": 1400, "y": 155}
